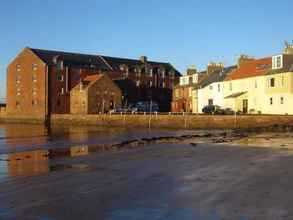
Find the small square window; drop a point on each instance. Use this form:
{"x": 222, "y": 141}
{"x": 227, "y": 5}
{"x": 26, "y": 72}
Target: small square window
{"x": 18, "y": 68}
{"x": 34, "y": 102}
{"x": 34, "y": 77}
{"x": 34, "y": 91}
{"x": 18, "y": 78}
{"x": 35, "y": 67}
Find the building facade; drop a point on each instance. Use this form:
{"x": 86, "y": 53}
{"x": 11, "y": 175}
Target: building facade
{"x": 256, "y": 86}
{"x": 39, "y": 81}
{"x": 95, "y": 94}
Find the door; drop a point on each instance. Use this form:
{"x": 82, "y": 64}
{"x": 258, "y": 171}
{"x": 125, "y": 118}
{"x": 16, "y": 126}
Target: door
{"x": 245, "y": 106}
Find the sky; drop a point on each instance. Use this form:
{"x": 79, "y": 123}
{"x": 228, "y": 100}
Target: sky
{"x": 184, "y": 33}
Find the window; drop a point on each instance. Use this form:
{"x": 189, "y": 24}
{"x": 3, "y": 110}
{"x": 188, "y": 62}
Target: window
{"x": 35, "y": 67}
{"x": 17, "y": 104}
{"x": 34, "y": 77}
{"x": 177, "y": 93}
{"x": 18, "y": 78}
{"x": 151, "y": 83}
{"x": 151, "y": 72}
{"x": 18, "y": 91}
{"x": 210, "y": 101}
{"x": 137, "y": 83}
{"x": 34, "y": 102}
{"x": 230, "y": 86}
{"x": 282, "y": 100}
{"x": 163, "y": 85}
{"x": 272, "y": 82}
{"x": 219, "y": 87}
{"x": 277, "y": 62}
{"x": 163, "y": 73}
{"x": 62, "y": 91}
{"x": 34, "y": 91}
{"x": 60, "y": 65}
{"x": 60, "y": 77}
{"x": 211, "y": 87}
{"x": 271, "y": 101}
{"x": 18, "y": 67}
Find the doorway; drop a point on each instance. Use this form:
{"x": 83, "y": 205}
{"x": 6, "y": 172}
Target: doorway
{"x": 245, "y": 106}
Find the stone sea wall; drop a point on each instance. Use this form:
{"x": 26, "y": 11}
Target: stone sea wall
{"x": 165, "y": 121}
{"x": 176, "y": 121}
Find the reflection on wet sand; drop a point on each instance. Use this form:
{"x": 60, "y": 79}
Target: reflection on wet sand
{"x": 26, "y": 163}
{"x": 38, "y": 161}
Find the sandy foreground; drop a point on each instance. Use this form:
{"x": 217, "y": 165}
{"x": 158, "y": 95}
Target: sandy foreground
{"x": 249, "y": 178}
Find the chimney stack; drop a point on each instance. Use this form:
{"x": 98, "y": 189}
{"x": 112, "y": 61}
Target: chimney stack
{"x": 288, "y": 48}
{"x": 143, "y": 59}
{"x": 213, "y": 67}
{"x": 243, "y": 59}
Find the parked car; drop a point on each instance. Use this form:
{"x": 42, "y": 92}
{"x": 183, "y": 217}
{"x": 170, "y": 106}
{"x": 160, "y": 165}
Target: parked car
{"x": 229, "y": 111}
{"x": 124, "y": 110}
{"x": 147, "y": 106}
{"x": 213, "y": 109}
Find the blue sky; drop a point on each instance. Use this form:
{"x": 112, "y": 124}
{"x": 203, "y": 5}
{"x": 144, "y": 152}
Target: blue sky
{"x": 182, "y": 32}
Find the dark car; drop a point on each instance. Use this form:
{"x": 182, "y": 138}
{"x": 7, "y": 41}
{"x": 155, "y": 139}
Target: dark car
{"x": 147, "y": 106}
{"x": 213, "y": 109}
{"x": 229, "y": 111}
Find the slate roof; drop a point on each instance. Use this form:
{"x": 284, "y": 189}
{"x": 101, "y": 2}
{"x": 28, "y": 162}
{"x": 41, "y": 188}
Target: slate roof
{"x": 251, "y": 68}
{"x": 217, "y": 76}
{"x": 70, "y": 58}
{"x": 100, "y": 62}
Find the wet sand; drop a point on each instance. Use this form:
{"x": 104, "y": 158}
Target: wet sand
{"x": 190, "y": 179}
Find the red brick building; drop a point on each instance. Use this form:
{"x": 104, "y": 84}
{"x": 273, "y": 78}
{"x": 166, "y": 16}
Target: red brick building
{"x": 39, "y": 81}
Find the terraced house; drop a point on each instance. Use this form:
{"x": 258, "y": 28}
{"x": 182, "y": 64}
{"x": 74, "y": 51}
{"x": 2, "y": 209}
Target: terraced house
{"x": 39, "y": 82}
{"x": 256, "y": 86}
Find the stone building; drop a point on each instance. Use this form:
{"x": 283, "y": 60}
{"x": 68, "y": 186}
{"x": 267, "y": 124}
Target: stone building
{"x": 39, "y": 81}
{"x": 94, "y": 94}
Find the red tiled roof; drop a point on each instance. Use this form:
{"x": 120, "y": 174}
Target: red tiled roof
{"x": 91, "y": 79}
{"x": 251, "y": 68}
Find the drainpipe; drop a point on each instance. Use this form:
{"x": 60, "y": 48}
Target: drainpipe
{"x": 47, "y": 109}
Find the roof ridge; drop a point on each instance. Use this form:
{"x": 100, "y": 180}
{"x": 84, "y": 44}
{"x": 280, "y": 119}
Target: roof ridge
{"x": 107, "y": 64}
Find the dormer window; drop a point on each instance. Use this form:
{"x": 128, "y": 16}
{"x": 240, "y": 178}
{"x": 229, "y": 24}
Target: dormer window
{"x": 60, "y": 65}
{"x": 277, "y": 62}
